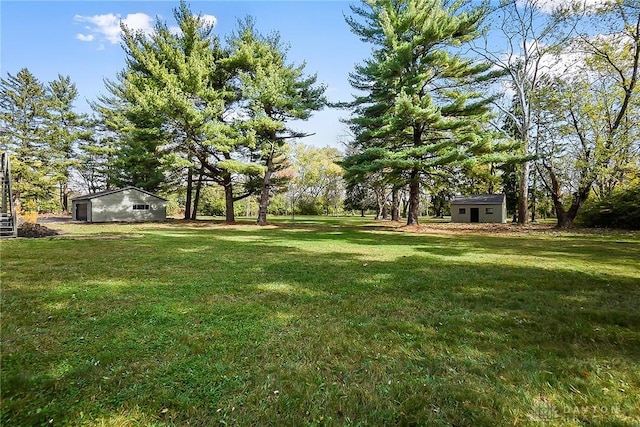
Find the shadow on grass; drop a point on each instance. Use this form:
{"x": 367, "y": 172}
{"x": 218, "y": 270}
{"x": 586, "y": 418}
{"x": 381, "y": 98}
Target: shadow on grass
{"x": 256, "y": 327}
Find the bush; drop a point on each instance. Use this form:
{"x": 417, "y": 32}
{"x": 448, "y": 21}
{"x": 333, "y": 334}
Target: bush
{"x": 309, "y": 207}
{"x": 619, "y": 210}
{"x": 278, "y": 205}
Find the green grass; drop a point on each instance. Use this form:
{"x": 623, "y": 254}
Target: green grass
{"x": 319, "y": 321}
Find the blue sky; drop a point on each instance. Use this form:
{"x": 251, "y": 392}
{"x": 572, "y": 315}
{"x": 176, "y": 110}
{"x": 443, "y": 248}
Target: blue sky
{"x": 79, "y": 39}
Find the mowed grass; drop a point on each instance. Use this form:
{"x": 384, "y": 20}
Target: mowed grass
{"x": 319, "y": 322}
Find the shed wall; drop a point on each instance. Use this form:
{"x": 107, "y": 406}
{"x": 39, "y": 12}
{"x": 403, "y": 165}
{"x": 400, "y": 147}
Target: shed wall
{"x": 499, "y": 212}
{"x": 119, "y": 206}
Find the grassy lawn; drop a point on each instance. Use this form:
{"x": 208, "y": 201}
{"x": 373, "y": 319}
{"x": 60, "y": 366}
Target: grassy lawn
{"x": 320, "y": 322}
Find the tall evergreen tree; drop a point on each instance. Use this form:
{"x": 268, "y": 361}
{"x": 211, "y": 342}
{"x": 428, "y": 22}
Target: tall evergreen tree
{"x": 64, "y": 128}
{"x": 421, "y": 108}
{"x": 137, "y": 159}
{"x": 275, "y": 92}
{"x": 181, "y": 77}
{"x": 94, "y": 155}
{"x": 23, "y": 109}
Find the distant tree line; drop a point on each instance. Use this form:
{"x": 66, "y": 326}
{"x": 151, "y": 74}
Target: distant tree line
{"x": 549, "y": 118}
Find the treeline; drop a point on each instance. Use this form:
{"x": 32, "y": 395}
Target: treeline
{"x": 188, "y": 111}
{"x": 548, "y": 117}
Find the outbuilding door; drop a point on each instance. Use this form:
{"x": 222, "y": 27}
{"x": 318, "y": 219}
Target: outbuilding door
{"x": 475, "y": 214}
{"x": 81, "y": 211}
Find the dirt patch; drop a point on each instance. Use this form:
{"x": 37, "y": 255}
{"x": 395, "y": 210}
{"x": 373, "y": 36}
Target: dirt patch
{"x": 462, "y": 228}
{"x": 100, "y": 236}
{"x": 489, "y": 228}
{"x": 508, "y": 229}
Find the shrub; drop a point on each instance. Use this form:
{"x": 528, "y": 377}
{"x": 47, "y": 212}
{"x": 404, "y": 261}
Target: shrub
{"x": 619, "y": 210}
{"x": 309, "y": 207}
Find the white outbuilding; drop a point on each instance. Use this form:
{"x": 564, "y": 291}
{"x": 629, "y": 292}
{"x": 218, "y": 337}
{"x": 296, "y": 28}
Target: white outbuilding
{"x": 479, "y": 208}
{"x": 129, "y": 204}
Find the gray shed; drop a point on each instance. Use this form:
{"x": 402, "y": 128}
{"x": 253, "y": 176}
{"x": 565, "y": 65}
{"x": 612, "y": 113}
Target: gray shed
{"x": 125, "y": 204}
{"x": 479, "y": 208}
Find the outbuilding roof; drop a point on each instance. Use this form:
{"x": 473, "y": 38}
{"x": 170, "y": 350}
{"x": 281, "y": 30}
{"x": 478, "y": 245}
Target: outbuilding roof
{"x": 480, "y": 199}
{"x": 104, "y": 193}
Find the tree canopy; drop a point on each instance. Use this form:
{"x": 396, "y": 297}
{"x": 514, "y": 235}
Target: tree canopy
{"x": 422, "y": 106}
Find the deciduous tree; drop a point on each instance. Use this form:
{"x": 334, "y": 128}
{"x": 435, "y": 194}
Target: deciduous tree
{"x": 594, "y": 110}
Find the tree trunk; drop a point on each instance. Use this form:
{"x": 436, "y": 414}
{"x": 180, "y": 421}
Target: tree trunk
{"x": 64, "y": 197}
{"x": 196, "y": 199}
{"x": 395, "y": 205}
{"x": 380, "y": 202}
{"x": 533, "y": 208}
{"x": 414, "y": 198}
{"x": 565, "y": 220}
{"x": 362, "y": 212}
{"x": 229, "y": 214}
{"x": 561, "y": 214}
{"x": 266, "y": 192}
{"x": 187, "y": 203}
{"x": 378, "y": 212}
{"x": 523, "y": 189}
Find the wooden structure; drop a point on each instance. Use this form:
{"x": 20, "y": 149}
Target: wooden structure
{"x": 8, "y": 215}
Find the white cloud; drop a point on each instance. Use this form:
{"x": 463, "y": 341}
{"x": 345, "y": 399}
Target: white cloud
{"x": 549, "y": 6}
{"x": 210, "y": 20}
{"x": 84, "y": 37}
{"x": 107, "y": 27}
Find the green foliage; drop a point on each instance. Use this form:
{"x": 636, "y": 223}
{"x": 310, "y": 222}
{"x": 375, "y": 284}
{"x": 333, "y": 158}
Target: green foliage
{"x": 212, "y": 201}
{"x": 169, "y": 103}
{"x": 64, "y": 129}
{"x": 411, "y": 120}
{"x": 592, "y": 141}
{"x": 41, "y": 131}
{"x": 187, "y": 104}
{"x": 24, "y": 107}
{"x": 316, "y": 179}
{"x": 274, "y": 93}
{"x": 94, "y": 158}
{"x": 279, "y": 205}
{"x": 359, "y": 197}
{"x": 621, "y": 209}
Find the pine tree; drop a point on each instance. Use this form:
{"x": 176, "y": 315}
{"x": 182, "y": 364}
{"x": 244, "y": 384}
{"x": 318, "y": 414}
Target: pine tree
{"x": 422, "y": 106}
{"x": 94, "y": 154}
{"x": 181, "y": 78}
{"x": 275, "y": 92}
{"x": 137, "y": 159}
{"x": 23, "y": 109}
{"x": 64, "y": 127}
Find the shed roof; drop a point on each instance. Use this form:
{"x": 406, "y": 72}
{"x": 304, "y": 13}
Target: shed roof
{"x": 104, "y": 193}
{"x": 479, "y": 199}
